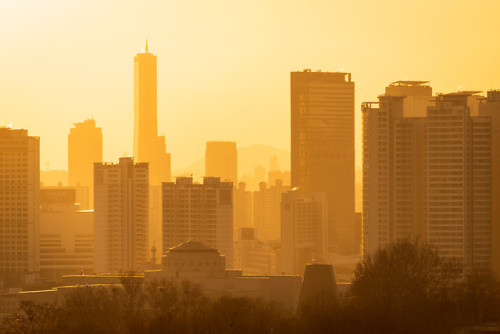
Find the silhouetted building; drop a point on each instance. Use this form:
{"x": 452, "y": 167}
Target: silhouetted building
{"x": 84, "y": 149}
{"x": 319, "y": 285}
{"x": 148, "y": 146}
{"x": 491, "y": 108}
{"x": 121, "y": 222}
{"x": 393, "y": 164}
{"x": 201, "y": 212}
{"x": 20, "y": 204}
{"x": 267, "y": 210}
{"x": 322, "y": 120}
{"x": 66, "y": 234}
{"x": 304, "y": 223}
{"x": 221, "y": 160}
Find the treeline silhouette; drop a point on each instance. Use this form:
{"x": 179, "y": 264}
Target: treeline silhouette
{"x": 403, "y": 288}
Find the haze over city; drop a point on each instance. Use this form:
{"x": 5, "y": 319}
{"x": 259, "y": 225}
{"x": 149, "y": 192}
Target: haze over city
{"x": 220, "y": 62}
{"x": 249, "y": 167}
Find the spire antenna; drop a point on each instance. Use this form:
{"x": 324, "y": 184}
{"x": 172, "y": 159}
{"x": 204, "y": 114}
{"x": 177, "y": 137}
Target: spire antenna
{"x": 146, "y": 45}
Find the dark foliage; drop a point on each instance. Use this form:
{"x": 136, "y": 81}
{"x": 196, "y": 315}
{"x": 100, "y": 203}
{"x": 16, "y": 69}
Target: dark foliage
{"x": 404, "y": 288}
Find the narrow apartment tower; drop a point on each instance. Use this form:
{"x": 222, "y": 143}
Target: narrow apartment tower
{"x": 84, "y": 149}
{"x": 458, "y": 181}
{"x": 20, "y": 199}
{"x": 121, "y": 222}
{"x": 393, "y": 164}
{"x": 202, "y": 212}
{"x": 322, "y": 120}
{"x": 221, "y": 160}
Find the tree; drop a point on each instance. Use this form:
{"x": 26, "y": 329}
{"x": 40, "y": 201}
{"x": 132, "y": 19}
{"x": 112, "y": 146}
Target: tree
{"x": 406, "y": 287}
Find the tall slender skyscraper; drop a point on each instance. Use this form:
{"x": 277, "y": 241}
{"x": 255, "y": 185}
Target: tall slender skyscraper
{"x": 322, "y": 108}
{"x": 84, "y": 149}
{"x": 148, "y": 146}
{"x": 20, "y": 204}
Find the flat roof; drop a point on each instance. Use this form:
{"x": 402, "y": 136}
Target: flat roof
{"x": 409, "y": 82}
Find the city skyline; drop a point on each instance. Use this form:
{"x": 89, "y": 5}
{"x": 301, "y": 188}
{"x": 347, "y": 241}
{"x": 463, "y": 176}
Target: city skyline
{"x": 212, "y": 63}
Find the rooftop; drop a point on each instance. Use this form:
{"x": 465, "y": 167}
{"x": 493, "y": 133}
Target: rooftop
{"x": 192, "y": 246}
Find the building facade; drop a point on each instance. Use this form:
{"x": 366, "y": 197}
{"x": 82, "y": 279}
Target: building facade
{"x": 121, "y": 225}
{"x": 66, "y": 234}
{"x": 267, "y": 210}
{"x": 304, "y": 225}
{"x": 322, "y": 135}
{"x": 428, "y": 172}
{"x": 490, "y": 107}
{"x": 393, "y": 164}
{"x": 148, "y": 146}
{"x": 458, "y": 181}
{"x": 202, "y": 212}
{"x": 19, "y": 205}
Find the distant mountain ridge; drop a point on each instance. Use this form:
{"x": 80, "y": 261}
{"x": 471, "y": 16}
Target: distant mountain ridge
{"x": 248, "y": 158}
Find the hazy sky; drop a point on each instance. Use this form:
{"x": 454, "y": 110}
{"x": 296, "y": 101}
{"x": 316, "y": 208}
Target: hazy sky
{"x": 223, "y": 66}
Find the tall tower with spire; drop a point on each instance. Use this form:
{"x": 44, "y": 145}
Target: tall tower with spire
{"x": 148, "y": 146}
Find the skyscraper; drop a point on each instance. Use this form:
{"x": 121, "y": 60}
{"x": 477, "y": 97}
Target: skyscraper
{"x": 121, "y": 222}
{"x": 148, "y": 146}
{"x": 20, "y": 204}
{"x": 221, "y": 160}
{"x": 458, "y": 181}
{"x": 322, "y": 120}
{"x": 427, "y": 171}
{"x": 84, "y": 149}
{"x": 203, "y": 212}
{"x": 393, "y": 164}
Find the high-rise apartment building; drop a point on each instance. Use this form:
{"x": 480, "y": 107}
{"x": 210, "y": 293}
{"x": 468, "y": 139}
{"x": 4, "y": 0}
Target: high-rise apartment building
{"x": 221, "y": 160}
{"x": 121, "y": 224}
{"x": 458, "y": 181}
{"x": 491, "y": 108}
{"x": 19, "y": 204}
{"x": 322, "y": 120}
{"x": 148, "y": 146}
{"x": 84, "y": 149}
{"x": 427, "y": 171}
{"x": 304, "y": 225}
{"x": 202, "y": 212}
{"x": 267, "y": 210}
{"x": 393, "y": 164}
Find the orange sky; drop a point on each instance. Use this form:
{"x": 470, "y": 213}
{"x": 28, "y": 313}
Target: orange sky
{"x": 223, "y": 66}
